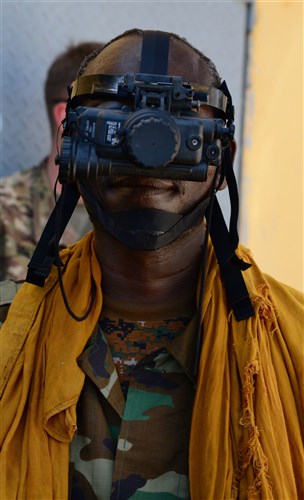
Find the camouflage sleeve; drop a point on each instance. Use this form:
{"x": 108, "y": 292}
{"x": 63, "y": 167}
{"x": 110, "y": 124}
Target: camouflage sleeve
{"x": 16, "y": 232}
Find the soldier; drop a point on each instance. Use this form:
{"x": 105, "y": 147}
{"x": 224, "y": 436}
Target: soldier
{"x": 27, "y": 197}
{"x": 127, "y": 375}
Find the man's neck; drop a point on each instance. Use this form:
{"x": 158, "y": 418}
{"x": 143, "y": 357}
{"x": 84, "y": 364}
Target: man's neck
{"x": 150, "y": 277}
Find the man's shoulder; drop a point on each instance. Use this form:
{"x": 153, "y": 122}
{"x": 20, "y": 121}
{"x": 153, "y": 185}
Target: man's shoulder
{"x": 8, "y": 290}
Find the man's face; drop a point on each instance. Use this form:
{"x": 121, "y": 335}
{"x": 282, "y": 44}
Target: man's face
{"x": 129, "y": 192}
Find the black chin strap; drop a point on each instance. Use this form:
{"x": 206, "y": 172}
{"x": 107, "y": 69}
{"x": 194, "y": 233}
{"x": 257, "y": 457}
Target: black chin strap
{"x": 142, "y": 229}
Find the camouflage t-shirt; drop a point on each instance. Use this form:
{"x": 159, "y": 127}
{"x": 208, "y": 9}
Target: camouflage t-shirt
{"x": 134, "y": 412}
{"x": 26, "y": 202}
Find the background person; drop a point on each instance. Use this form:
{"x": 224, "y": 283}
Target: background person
{"x": 116, "y": 395}
{"x": 27, "y": 197}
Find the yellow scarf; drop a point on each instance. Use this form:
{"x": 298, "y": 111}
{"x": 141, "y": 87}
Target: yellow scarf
{"x": 245, "y": 436}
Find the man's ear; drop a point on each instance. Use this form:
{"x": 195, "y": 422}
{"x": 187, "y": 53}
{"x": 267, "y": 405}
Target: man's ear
{"x": 233, "y": 148}
{"x": 59, "y": 112}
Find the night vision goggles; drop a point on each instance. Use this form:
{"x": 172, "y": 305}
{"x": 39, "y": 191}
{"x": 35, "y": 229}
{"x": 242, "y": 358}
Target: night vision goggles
{"x": 145, "y": 125}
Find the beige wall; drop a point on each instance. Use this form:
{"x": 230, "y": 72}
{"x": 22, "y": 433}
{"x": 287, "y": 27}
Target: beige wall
{"x": 272, "y": 174}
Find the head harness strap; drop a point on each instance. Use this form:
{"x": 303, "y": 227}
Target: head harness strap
{"x": 154, "y": 53}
